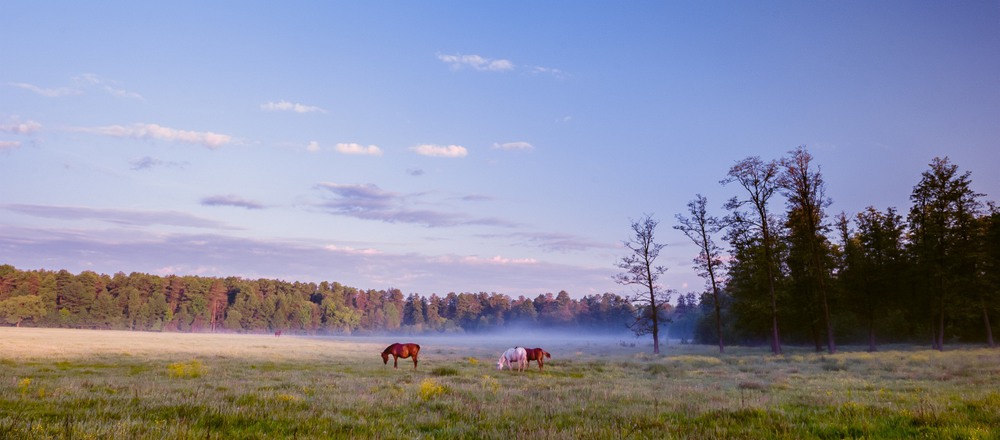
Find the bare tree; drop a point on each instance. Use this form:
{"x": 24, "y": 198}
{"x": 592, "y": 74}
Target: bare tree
{"x": 699, "y": 228}
{"x": 641, "y": 272}
{"x": 759, "y": 179}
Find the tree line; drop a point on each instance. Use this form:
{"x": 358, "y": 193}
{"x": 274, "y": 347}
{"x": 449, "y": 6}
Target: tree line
{"x": 145, "y": 302}
{"x": 928, "y": 274}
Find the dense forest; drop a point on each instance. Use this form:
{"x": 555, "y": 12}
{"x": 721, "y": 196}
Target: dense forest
{"x": 146, "y": 302}
{"x": 930, "y": 274}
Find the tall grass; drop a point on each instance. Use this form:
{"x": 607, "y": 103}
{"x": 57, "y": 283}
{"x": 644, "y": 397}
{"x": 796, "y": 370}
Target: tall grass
{"x": 77, "y": 384}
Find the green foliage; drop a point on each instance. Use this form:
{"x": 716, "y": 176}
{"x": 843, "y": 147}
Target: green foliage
{"x": 196, "y": 304}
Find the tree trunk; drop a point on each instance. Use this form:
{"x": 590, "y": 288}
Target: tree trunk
{"x": 986, "y": 321}
{"x": 831, "y": 344}
{"x": 654, "y": 309}
{"x": 871, "y": 333}
{"x": 940, "y": 326}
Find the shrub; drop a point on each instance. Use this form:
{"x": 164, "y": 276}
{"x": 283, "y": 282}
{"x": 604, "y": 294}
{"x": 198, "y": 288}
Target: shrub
{"x": 186, "y": 370}
{"x": 430, "y": 389}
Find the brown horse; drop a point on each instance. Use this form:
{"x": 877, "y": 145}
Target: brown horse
{"x": 397, "y": 351}
{"x": 536, "y": 354}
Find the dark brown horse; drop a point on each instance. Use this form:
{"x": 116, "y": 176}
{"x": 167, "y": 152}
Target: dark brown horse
{"x": 536, "y": 354}
{"x": 398, "y": 350}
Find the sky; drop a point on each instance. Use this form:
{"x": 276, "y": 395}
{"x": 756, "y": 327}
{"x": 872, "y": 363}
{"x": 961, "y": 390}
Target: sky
{"x": 440, "y": 147}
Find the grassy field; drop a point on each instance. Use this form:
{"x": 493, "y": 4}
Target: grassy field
{"x": 73, "y": 384}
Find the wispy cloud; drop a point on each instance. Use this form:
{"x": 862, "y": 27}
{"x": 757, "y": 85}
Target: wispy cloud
{"x": 286, "y": 106}
{"x": 147, "y": 162}
{"x": 123, "y": 217}
{"x": 556, "y": 73}
{"x": 514, "y": 146}
{"x": 476, "y": 62}
{"x": 230, "y": 200}
{"x": 485, "y": 64}
{"x": 15, "y": 126}
{"x": 81, "y": 83}
{"x": 494, "y": 260}
{"x": 369, "y": 202}
{"x": 351, "y": 250}
{"x": 48, "y": 93}
{"x": 555, "y": 241}
{"x": 440, "y": 150}
{"x": 9, "y": 145}
{"x": 108, "y": 86}
{"x": 153, "y": 131}
{"x": 358, "y": 149}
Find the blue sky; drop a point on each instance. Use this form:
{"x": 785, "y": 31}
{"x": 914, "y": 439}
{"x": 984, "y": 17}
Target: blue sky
{"x": 459, "y": 146}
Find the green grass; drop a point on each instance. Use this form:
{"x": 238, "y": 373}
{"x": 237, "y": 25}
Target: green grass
{"x": 63, "y": 384}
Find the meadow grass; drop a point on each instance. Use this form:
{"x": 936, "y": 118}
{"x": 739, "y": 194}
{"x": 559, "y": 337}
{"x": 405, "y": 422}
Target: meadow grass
{"x": 63, "y": 384}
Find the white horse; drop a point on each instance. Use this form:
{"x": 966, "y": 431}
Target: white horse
{"x": 512, "y": 355}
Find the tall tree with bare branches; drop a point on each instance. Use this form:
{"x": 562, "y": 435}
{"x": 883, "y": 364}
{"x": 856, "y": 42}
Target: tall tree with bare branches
{"x": 700, "y": 228}
{"x": 642, "y": 273}
{"x": 760, "y": 180}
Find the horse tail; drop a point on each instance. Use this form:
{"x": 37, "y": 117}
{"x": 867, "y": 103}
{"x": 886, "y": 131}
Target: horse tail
{"x": 547, "y": 354}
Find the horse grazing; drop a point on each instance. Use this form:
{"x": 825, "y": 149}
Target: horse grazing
{"x": 536, "y": 354}
{"x": 397, "y": 351}
{"x": 515, "y": 354}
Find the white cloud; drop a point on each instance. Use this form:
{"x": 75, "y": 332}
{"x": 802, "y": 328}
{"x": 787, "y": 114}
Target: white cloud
{"x": 312, "y": 147}
{"x": 286, "y": 106}
{"x": 49, "y": 93}
{"x": 353, "y": 148}
{"x": 154, "y": 131}
{"x": 441, "y": 150}
{"x": 5, "y": 145}
{"x": 351, "y": 251}
{"x": 15, "y": 126}
{"x": 477, "y": 62}
{"x": 514, "y": 146}
{"x": 477, "y": 260}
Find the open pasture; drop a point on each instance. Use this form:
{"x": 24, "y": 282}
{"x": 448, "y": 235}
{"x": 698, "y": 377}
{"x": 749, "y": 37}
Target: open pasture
{"x": 78, "y": 384}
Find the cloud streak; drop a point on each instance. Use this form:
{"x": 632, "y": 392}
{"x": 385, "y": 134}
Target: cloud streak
{"x": 207, "y": 139}
{"x": 514, "y": 146}
{"x": 286, "y": 106}
{"x": 147, "y": 162}
{"x": 432, "y": 150}
{"x": 15, "y": 126}
{"x": 230, "y": 200}
{"x": 476, "y": 62}
{"x": 121, "y": 217}
{"x": 369, "y": 202}
{"x": 108, "y": 86}
{"x": 358, "y": 149}
{"x": 48, "y": 93}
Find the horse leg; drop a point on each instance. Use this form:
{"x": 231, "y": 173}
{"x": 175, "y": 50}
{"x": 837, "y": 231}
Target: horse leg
{"x": 414, "y": 362}
{"x": 395, "y": 361}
